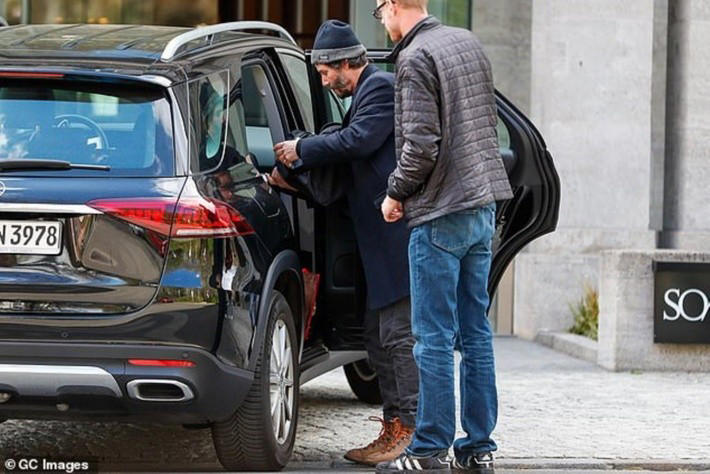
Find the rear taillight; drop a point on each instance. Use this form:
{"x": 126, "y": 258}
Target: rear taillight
{"x": 161, "y": 363}
{"x": 192, "y": 217}
{"x": 30, "y": 75}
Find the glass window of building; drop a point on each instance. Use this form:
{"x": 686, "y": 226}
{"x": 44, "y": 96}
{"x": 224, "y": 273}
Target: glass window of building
{"x": 151, "y": 12}
{"x": 373, "y": 35}
{"x": 452, "y": 12}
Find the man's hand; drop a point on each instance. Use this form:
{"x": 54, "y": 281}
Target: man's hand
{"x": 392, "y": 210}
{"x": 275, "y": 179}
{"x": 286, "y": 152}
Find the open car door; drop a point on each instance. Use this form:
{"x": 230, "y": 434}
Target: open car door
{"x": 534, "y": 209}
{"x": 329, "y": 249}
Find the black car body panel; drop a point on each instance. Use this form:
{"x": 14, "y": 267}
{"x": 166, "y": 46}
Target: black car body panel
{"x": 106, "y": 266}
{"x": 212, "y": 390}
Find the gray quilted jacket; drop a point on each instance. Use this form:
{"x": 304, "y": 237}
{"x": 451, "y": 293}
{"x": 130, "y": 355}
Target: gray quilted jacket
{"x": 445, "y": 125}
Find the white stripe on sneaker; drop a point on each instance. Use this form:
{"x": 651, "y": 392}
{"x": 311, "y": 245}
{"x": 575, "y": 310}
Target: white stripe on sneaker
{"x": 408, "y": 463}
{"x": 398, "y": 462}
{"x": 416, "y": 464}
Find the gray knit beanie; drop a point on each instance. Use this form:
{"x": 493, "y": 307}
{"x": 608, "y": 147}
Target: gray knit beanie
{"x": 335, "y": 41}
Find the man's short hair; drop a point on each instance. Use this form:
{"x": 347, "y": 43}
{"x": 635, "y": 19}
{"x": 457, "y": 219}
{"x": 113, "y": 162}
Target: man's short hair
{"x": 354, "y": 63}
{"x": 414, "y": 3}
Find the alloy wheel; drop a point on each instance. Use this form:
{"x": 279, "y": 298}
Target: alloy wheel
{"x": 281, "y": 386}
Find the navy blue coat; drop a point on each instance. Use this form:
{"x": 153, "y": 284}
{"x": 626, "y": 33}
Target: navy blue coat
{"x": 366, "y": 142}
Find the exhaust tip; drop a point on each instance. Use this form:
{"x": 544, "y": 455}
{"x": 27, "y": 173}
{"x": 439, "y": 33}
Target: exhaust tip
{"x": 159, "y": 390}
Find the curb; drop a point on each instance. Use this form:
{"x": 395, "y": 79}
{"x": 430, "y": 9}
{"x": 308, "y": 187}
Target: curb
{"x": 605, "y": 464}
{"x": 501, "y": 464}
{"x": 571, "y": 344}
{"x": 545, "y": 464}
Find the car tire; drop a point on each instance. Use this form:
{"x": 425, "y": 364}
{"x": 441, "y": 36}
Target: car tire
{"x": 363, "y": 381}
{"x": 248, "y": 440}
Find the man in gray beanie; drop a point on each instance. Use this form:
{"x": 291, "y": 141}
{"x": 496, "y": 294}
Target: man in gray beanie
{"x": 365, "y": 145}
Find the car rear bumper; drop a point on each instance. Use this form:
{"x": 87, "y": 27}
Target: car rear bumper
{"x": 95, "y": 381}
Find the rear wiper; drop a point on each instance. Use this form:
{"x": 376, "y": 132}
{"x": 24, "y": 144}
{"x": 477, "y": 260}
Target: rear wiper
{"x": 17, "y": 165}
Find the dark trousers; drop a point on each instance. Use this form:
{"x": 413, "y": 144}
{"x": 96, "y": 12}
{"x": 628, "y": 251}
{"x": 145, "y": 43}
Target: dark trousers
{"x": 390, "y": 344}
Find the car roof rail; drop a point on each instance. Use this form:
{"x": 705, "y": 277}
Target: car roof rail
{"x": 171, "y": 49}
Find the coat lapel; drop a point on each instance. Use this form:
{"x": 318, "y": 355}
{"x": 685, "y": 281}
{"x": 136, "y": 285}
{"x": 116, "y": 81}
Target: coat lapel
{"x": 367, "y": 72}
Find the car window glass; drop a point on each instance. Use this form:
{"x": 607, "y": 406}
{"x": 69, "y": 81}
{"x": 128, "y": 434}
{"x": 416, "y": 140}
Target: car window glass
{"x": 258, "y": 99}
{"x": 297, "y": 71}
{"x": 125, "y": 127}
{"x": 208, "y": 98}
{"x": 236, "y": 128}
{"x": 503, "y": 135}
{"x": 334, "y": 106}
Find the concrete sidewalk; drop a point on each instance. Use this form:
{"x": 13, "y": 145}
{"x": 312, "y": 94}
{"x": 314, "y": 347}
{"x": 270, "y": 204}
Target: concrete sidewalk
{"x": 554, "y": 411}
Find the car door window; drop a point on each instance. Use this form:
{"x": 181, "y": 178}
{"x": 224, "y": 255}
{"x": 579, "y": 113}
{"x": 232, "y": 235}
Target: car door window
{"x": 261, "y": 116}
{"x": 335, "y": 110}
{"x": 297, "y": 72}
{"x": 505, "y": 146}
{"x": 208, "y": 99}
{"x": 236, "y": 124}
{"x": 503, "y": 135}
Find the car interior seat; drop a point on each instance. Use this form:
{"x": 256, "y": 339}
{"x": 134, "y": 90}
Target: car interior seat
{"x": 28, "y": 119}
{"x": 139, "y": 150}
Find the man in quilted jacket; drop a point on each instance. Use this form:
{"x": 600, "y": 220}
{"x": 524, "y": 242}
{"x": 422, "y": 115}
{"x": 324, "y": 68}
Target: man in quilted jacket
{"x": 448, "y": 178}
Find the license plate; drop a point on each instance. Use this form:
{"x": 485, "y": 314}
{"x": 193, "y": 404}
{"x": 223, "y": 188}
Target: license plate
{"x": 31, "y": 237}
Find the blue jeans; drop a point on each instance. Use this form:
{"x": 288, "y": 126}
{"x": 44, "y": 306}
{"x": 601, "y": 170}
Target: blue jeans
{"x": 449, "y": 261}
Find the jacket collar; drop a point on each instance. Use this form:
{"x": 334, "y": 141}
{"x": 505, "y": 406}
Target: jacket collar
{"x": 369, "y": 70}
{"x": 425, "y": 24}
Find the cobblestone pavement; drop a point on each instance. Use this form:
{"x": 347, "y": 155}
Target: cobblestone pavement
{"x": 551, "y": 407}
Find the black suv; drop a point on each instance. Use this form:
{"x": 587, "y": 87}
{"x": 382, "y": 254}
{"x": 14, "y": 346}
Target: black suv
{"x": 147, "y": 269}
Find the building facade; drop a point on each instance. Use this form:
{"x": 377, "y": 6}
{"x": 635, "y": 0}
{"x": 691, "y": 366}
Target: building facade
{"x": 300, "y": 17}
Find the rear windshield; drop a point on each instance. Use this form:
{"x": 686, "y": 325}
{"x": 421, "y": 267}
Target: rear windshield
{"x": 125, "y": 127}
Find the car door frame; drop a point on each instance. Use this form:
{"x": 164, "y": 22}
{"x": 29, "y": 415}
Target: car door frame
{"x": 333, "y": 298}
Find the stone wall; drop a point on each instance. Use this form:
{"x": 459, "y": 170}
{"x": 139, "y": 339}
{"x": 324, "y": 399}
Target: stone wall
{"x": 626, "y": 312}
{"x": 591, "y": 97}
{"x": 504, "y": 28}
{"x": 687, "y": 170}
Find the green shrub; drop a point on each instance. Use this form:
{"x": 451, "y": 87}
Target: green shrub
{"x": 586, "y": 314}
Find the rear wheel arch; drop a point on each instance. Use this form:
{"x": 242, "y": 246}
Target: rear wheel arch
{"x": 289, "y": 284}
{"x": 284, "y": 275}
{"x": 260, "y": 434}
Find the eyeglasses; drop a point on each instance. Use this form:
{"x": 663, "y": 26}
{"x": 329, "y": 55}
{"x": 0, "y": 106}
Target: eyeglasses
{"x": 377, "y": 12}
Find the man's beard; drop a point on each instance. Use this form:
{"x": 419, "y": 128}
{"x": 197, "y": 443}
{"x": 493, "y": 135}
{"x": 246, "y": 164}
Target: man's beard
{"x": 340, "y": 87}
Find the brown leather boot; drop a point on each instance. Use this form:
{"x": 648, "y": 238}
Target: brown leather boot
{"x": 383, "y": 442}
{"x": 397, "y": 447}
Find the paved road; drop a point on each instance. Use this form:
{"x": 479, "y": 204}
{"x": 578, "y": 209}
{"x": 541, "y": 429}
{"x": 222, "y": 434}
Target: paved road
{"x": 554, "y": 410}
